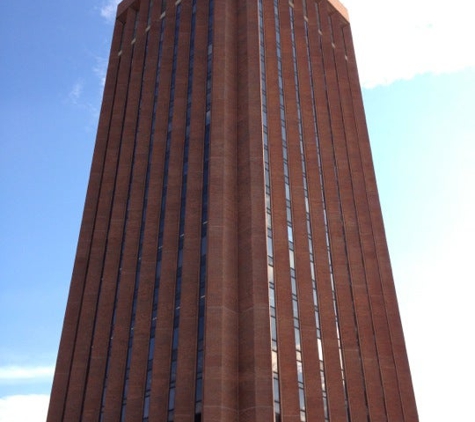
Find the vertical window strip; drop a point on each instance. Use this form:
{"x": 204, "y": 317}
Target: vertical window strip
{"x": 121, "y": 256}
{"x": 345, "y": 42}
{"x": 325, "y": 213}
{"x": 340, "y": 349}
{"x": 109, "y": 224}
{"x": 204, "y": 222}
{"x": 161, "y": 224}
{"x": 307, "y": 213}
{"x": 140, "y": 246}
{"x": 327, "y": 241}
{"x": 155, "y": 295}
{"x": 359, "y": 236}
{"x": 290, "y": 229}
{"x": 181, "y": 231}
{"x": 319, "y": 21}
{"x": 136, "y": 24}
{"x": 270, "y": 253}
{"x": 330, "y": 26}
{"x": 119, "y": 52}
{"x": 149, "y": 15}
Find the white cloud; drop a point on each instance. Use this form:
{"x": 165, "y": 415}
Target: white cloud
{"x": 401, "y": 39}
{"x": 109, "y": 9}
{"x": 24, "y": 408}
{"x": 76, "y": 92}
{"x": 100, "y": 69}
{"x": 80, "y": 98}
{"x": 431, "y": 244}
{"x": 438, "y": 314}
{"x": 16, "y": 373}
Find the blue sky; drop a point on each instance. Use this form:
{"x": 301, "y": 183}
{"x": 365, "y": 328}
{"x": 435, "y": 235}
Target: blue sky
{"x": 418, "y": 71}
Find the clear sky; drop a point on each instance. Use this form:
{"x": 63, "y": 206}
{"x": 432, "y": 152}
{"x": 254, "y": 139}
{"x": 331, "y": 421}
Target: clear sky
{"x": 417, "y": 65}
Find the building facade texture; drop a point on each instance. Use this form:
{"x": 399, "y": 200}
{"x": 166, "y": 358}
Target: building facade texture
{"x": 232, "y": 263}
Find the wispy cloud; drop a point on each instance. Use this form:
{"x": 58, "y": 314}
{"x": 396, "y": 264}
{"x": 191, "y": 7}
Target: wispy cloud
{"x": 100, "y": 69}
{"x": 22, "y": 408}
{"x": 76, "y": 92}
{"x": 108, "y": 10}
{"x": 18, "y": 373}
{"x": 80, "y": 97}
{"x": 399, "y": 40}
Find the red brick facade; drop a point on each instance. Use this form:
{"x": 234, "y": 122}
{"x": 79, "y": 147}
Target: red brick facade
{"x": 214, "y": 112}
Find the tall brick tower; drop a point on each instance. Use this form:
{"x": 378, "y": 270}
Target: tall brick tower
{"x": 232, "y": 263}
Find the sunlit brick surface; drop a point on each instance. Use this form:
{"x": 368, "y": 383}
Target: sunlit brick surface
{"x": 232, "y": 263}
